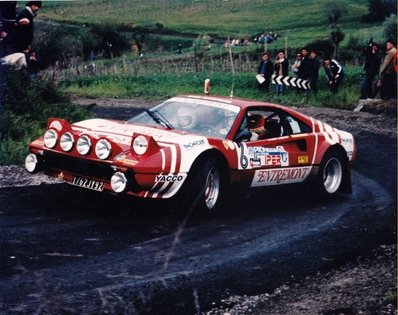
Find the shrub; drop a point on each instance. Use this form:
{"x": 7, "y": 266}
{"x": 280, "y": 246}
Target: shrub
{"x": 27, "y": 107}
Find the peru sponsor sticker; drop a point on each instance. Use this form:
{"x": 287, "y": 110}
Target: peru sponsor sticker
{"x": 279, "y": 176}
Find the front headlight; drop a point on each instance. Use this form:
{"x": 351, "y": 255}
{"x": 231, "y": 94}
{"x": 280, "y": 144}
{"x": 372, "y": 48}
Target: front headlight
{"x": 83, "y": 145}
{"x": 32, "y": 163}
{"x": 140, "y": 145}
{"x": 67, "y": 141}
{"x": 103, "y": 149}
{"x": 50, "y": 138}
{"x": 118, "y": 182}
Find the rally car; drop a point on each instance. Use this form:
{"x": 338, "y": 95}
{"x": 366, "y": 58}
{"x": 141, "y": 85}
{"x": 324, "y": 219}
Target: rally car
{"x": 196, "y": 148}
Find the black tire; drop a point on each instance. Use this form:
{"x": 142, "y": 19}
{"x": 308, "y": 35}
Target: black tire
{"x": 331, "y": 174}
{"x": 204, "y": 189}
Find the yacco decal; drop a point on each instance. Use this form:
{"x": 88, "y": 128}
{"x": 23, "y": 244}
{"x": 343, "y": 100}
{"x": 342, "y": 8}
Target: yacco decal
{"x": 280, "y": 176}
{"x": 169, "y": 178}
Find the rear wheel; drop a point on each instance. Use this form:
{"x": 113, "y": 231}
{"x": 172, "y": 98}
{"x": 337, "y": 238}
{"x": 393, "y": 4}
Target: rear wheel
{"x": 330, "y": 175}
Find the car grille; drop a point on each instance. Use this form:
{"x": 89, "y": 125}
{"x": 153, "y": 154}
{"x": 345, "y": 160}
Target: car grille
{"x": 77, "y": 166}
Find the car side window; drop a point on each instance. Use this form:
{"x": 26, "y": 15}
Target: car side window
{"x": 295, "y": 126}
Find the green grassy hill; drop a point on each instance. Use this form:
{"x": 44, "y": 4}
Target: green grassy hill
{"x": 300, "y": 21}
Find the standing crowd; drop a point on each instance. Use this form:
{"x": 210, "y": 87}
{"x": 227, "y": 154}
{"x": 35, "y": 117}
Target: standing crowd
{"x": 380, "y": 75}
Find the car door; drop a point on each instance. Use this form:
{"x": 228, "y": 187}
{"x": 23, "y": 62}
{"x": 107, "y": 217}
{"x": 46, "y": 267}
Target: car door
{"x": 280, "y": 153}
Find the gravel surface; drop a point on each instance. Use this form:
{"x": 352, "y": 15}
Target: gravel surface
{"x": 367, "y": 286}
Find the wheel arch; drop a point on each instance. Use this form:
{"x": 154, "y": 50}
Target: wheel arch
{"x": 346, "y": 186}
{"x": 218, "y": 156}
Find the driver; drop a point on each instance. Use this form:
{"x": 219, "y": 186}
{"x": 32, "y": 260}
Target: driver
{"x": 186, "y": 118}
{"x": 227, "y": 122}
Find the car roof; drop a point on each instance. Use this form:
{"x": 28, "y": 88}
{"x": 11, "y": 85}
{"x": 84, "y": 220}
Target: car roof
{"x": 241, "y": 102}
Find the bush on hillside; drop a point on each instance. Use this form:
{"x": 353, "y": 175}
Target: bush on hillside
{"x": 27, "y": 106}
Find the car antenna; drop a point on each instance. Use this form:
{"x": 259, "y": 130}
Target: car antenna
{"x": 232, "y": 67}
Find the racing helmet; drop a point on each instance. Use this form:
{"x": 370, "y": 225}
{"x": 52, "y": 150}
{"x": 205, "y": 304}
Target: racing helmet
{"x": 186, "y": 117}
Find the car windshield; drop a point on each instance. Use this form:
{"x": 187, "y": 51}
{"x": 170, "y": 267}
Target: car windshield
{"x": 204, "y": 117}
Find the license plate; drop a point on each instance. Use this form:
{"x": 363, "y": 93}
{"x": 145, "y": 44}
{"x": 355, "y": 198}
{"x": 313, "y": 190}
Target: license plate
{"x": 88, "y": 183}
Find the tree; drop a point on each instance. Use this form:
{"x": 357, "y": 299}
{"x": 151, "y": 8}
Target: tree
{"x": 334, "y": 11}
{"x": 378, "y": 10}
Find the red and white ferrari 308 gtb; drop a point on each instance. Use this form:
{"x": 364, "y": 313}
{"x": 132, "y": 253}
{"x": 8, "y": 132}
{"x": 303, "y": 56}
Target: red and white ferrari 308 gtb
{"x": 196, "y": 147}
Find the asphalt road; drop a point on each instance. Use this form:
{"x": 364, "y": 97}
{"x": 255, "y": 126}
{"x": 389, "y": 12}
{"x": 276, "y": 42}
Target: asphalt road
{"x": 64, "y": 250}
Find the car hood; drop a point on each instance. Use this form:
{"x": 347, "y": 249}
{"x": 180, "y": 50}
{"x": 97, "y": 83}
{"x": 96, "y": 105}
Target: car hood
{"x": 122, "y": 132}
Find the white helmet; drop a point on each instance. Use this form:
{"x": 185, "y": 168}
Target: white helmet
{"x": 186, "y": 117}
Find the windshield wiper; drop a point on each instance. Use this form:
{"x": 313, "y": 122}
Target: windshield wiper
{"x": 159, "y": 118}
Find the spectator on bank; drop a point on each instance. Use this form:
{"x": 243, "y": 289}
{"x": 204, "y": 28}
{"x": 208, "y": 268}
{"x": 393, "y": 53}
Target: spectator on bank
{"x": 313, "y": 72}
{"x": 33, "y": 65}
{"x": 296, "y": 64}
{"x": 302, "y": 72}
{"x": 8, "y": 13}
{"x": 334, "y": 72}
{"x": 281, "y": 69}
{"x": 388, "y": 74}
{"x": 265, "y": 70}
{"x": 24, "y": 26}
{"x": 371, "y": 67}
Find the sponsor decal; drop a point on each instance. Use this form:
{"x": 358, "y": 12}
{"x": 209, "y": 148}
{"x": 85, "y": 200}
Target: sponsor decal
{"x": 226, "y": 146}
{"x": 347, "y": 140}
{"x": 243, "y": 159}
{"x": 261, "y": 156}
{"x": 128, "y": 161}
{"x": 280, "y": 176}
{"x": 38, "y": 142}
{"x": 229, "y": 145}
{"x": 169, "y": 178}
{"x": 193, "y": 144}
{"x": 302, "y": 159}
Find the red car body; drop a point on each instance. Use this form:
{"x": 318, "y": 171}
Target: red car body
{"x": 154, "y": 156}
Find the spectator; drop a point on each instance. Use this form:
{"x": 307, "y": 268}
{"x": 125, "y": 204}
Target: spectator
{"x": 281, "y": 69}
{"x": 313, "y": 71}
{"x": 334, "y": 72}
{"x": 387, "y": 73}
{"x": 296, "y": 65}
{"x": 372, "y": 66}
{"x": 33, "y": 65}
{"x": 24, "y": 26}
{"x": 265, "y": 70}
{"x": 303, "y": 68}
{"x": 8, "y": 12}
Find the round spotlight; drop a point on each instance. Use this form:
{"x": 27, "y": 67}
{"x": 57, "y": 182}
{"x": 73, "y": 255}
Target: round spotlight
{"x": 50, "y": 138}
{"x": 140, "y": 145}
{"x": 67, "y": 141}
{"x": 83, "y": 145}
{"x": 118, "y": 182}
{"x": 103, "y": 149}
{"x": 32, "y": 163}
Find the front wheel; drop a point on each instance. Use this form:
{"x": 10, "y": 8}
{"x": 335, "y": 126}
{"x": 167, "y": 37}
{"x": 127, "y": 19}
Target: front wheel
{"x": 330, "y": 175}
{"x": 205, "y": 187}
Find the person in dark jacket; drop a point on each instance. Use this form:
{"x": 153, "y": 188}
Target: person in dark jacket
{"x": 8, "y": 13}
{"x": 371, "y": 67}
{"x": 24, "y": 26}
{"x": 334, "y": 72}
{"x": 265, "y": 70}
{"x": 281, "y": 69}
{"x": 313, "y": 71}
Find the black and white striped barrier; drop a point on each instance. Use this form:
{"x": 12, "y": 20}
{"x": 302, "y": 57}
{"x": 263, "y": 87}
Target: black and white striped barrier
{"x": 290, "y": 81}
